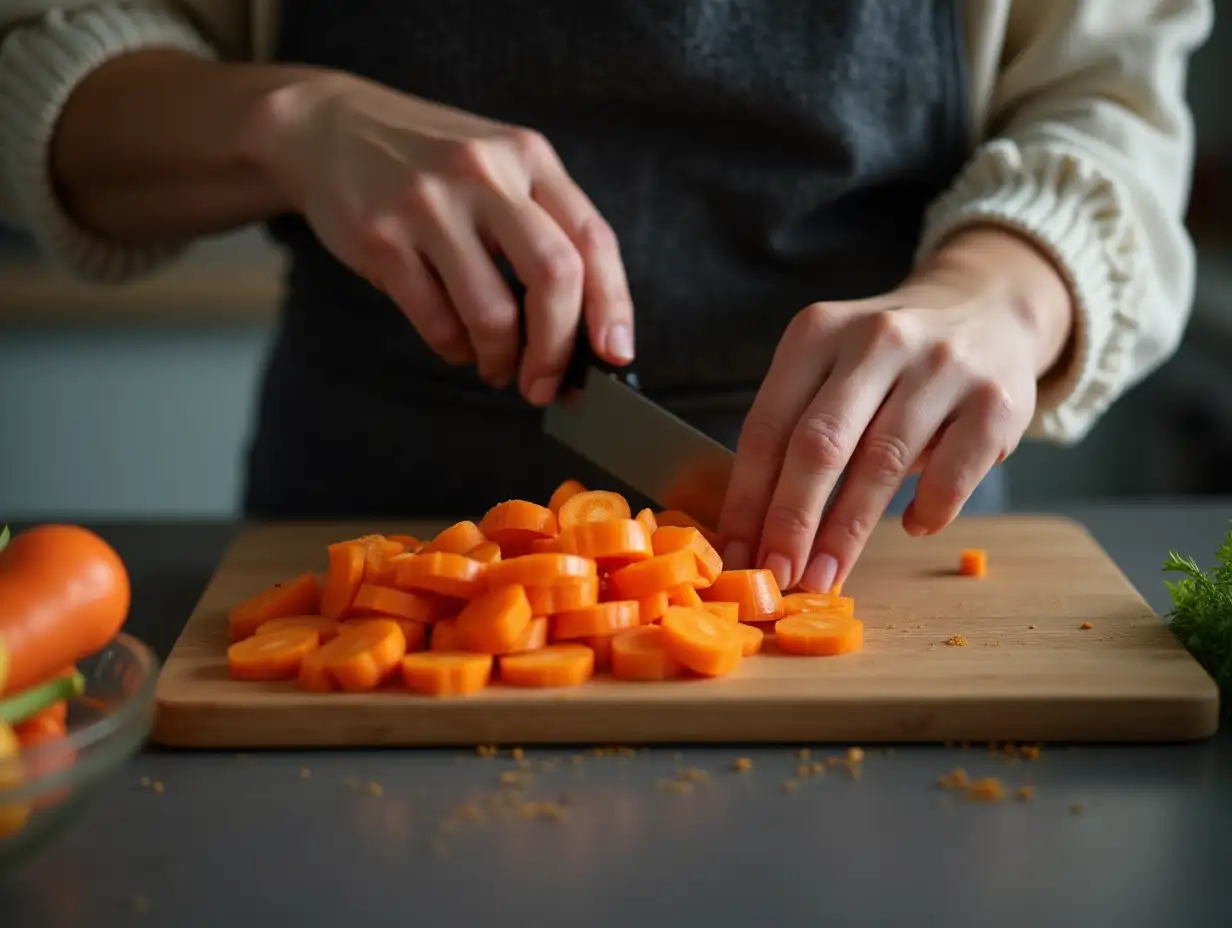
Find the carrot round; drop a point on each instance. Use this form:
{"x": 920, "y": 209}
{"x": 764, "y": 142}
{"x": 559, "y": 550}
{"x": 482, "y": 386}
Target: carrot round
{"x": 443, "y": 573}
{"x": 728, "y": 611}
{"x": 275, "y": 655}
{"x": 544, "y": 546}
{"x": 642, "y": 654}
{"x": 494, "y": 622}
{"x": 563, "y": 493}
{"x": 327, "y": 629}
{"x": 674, "y": 537}
{"x": 516, "y": 523}
{"x": 564, "y": 595}
{"x": 389, "y": 601}
{"x": 593, "y": 506}
{"x": 378, "y": 550}
{"x": 684, "y": 595}
{"x": 415, "y": 633}
{"x": 609, "y": 544}
{"x": 701, "y": 641}
{"x": 662, "y": 572}
{"x": 601, "y": 619}
{"x": 648, "y": 520}
{"x": 794, "y": 603}
{"x": 819, "y": 634}
{"x": 64, "y": 593}
{"x": 538, "y": 570}
{"x": 684, "y": 520}
{"x": 446, "y": 637}
{"x": 652, "y": 607}
{"x": 487, "y": 552}
{"x": 52, "y": 720}
{"x": 555, "y": 665}
{"x": 408, "y": 542}
{"x": 298, "y": 596}
{"x": 446, "y": 673}
{"x": 535, "y": 636}
{"x": 347, "y": 560}
{"x": 751, "y": 638}
{"x": 756, "y": 591}
{"x": 602, "y": 646}
{"x": 357, "y": 660}
{"x": 457, "y": 539}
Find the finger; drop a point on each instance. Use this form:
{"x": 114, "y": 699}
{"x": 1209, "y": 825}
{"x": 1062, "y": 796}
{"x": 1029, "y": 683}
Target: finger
{"x": 982, "y": 434}
{"x": 549, "y": 264}
{"x": 448, "y": 238}
{"x": 606, "y": 300}
{"x": 897, "y": 437}
{"x": 398, "y": 271}
{"x": 799, "y": 367}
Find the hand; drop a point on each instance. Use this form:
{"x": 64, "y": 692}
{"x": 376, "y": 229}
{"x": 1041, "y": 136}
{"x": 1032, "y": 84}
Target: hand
{"x": 938, "y": 376}
{"x": 416, "y": 198}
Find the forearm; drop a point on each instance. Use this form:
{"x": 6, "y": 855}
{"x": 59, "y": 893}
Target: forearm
{"x": 159, "y": 144}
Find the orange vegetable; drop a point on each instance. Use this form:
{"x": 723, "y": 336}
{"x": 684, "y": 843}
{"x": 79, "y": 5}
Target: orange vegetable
{"x": 487, "y": 552}
{"x": 662, "y": 572}
{"x": 602, "y": 646}
{"x": 674, "y": 537}
{"x": 396, "y": 604}
{"x": 727, "y": 611}
{"x": 327, "y": 629}
{"x": 648, "y": 520}
{"x": 794, "y": 603}
{"x": 642, "y": 654}
{"x": 275, "y": 655}
{"x": 555, "y": 665}
{"x": 494, "y": 622}
{"x": 534, "y": 637}
{"x": 298, "y": 596}
{"x": 683, "y": 520}
{"x": 598, "y": 620}
{"x": 415, "y": 633}
{"x": 516, "y": 523}
{"x": 52, "y": 721}
{"x": 973, "y": 562}
{"x": 538, "y": 570}
{"x": 651, "y": 608}
{"x": 442, "y": 572}
{"x": 442, "y": 673}
{"x": 347, "y": 560}
{"x": 359, "y": 659}
{"x": 593, "y": 506}
{"x": 610, "y": 544}
{"x": 751, "y": 638}
{"x": 565, "y": 595}
{"x": 563, "y": 493}
{"x": 702, "y": 642}
{"x": 684, "y": 595}
{"x": 457, "y": 539}
{"x": 446, "y": 637}
{"x": 819, "y": 634}
{"x": 545, "y": 546}
{"x": 378, "y": 550}
{"x": 756, "y": 591}
{"x": 408, "y": 542}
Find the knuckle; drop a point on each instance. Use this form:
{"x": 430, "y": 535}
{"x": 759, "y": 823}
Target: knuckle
{"x": 376, "y": 240}
{"x": 889, "y": 331}
{"x": 762, "y": 440}
{"x": 596, "y": 235}
{"x": 846, "y": 532}
{"x": 790, "y": 521}
{"x": 941, "y": 356}
{"x": 531, "y": 147}
{"x": 470, "y": 158}
{"x": 885, "y": 459}
{"x": 558, "y": 264}
{"x": 819, "y": 440}
{"x": 814, "y": 319}
{"x": 425, "y": 196}
{"x": 994, "y": 404}
{"x": 494, "y": 321}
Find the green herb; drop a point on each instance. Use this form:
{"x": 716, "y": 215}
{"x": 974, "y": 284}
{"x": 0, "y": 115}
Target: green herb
{"x": 17, "y": 708}
{"x": 1202, "y": 610}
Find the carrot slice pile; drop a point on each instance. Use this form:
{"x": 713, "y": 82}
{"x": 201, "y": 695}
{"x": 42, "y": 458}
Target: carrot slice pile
{"x": 530, "y": 596}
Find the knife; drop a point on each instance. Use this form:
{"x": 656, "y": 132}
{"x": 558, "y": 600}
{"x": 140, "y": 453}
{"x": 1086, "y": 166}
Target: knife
{"x": 601, "y": 413}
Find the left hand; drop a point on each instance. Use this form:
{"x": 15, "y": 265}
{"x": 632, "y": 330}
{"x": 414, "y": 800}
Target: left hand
{"x": 938, "y": 376}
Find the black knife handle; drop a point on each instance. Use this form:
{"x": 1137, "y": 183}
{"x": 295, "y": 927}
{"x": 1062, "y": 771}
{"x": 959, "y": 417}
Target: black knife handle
{"x": 584, "y": 358}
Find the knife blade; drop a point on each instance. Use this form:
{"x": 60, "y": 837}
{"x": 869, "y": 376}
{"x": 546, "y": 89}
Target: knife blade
{"x": 603, "y": 416}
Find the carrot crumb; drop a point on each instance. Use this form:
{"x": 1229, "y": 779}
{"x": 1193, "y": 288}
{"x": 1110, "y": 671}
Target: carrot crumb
{"x": 855, "y": 755}
{"x": 158, "y": 786}
{"x": 973, "y": 562}
{"x": 988, "y": 789}
{"x": 513, "y": 777}
{"x": 817, "y": 768}
{"x": 693, "y": 775}
{"x": 742, "y": 764}
{"x": 789, "y": 786}
{"x": 803, "y": 753}
{"x": 676, "y": 786}
{"x": 374, "y": 789}
{"x": 1030, "y": 751}
{"x": 955, "y": 779}
{"x": 486, "y": 750}
{"x": 1086, "y": 626}
{"x": 956, "y": 641}
{"x": 1026, "y": 792}
{"x": 1031, "y": 627}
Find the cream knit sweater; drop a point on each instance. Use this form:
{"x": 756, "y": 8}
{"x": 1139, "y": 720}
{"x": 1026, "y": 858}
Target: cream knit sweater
{"x": 1083, "y": 141}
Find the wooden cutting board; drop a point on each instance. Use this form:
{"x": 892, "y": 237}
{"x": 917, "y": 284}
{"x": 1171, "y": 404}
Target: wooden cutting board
{"x": 1028, "y": 671}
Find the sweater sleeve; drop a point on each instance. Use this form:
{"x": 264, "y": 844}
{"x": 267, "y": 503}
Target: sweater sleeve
{"x": 42, "y": 61}
{"x": 1089, "y": 153}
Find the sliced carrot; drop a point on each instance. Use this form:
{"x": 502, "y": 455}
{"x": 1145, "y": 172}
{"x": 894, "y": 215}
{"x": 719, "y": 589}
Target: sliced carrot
{"x": 756, "y": 591}
{"x": 446, "y": 673}
{"x": 728, "y": 611}
{"x": 642, "y": 654}
{"x": 545, "y": 546}
{"x": 794, "y": 603}
{"x": 457, "y": 539}
{"x": 357, "y": 660}
{"x": 652, "y": 607}
{"x": 397, "y": 604}
{"x": 275, "y": 655}
{"x": 493, "y": 623}
{"x": 415, "y": 633}
{"x": 602, "y": 646}
{"x": 648, "y": 520}
{"x": 377, "y": 553}
{"x": 446, "y": 637}
{"x": 298, "y": 596}
{"x": 534, "y": 637}
{"x": 820, "y": 634}
{"x": 593, "y": 506}
{"x": 487, "y": 552}
{"x": 684, "y": 595}
{"x": 441, "y": 572}
{"x": 327, "y": 629}
{"x": 662, "y": 572}
{"x": 313, "y": 676}
{"x": 516, "y": 523}
{"x": 563, "y": 493}
{"x": 751, "y": 638}
{"x": 408, "y": 542}
{"x": 973, "y": 562}
{"x": 674, "y": 537}
{"x": 51, "y": 721}
{"x": 556, "y": 665}
{"x": 609, "y": 544}
{"x": 538, "y": 569}
{"x": 702, "y": 642}
{"x": 601, "y": 619}
{"x": 347, "y": 560}
{"x": 684, "y": 520}
{"x": 565, "y": 595}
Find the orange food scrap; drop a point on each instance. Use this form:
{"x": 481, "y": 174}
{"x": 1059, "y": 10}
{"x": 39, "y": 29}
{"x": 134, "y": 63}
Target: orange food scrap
{"x": 563, "y": 493}
{"x": 298, "y": 596}
{"x": 373, "y": 600}
{"x": 973, "y": 562}
{"x": 539, "y": 570}
{"x": 456, "y": 539}
{"x": 563, "y": 595}
{"x": 661, "y": 572}
{"x": 955, "y": 779}
{"x": 1026, "y": 792}
{"x": 751, "y": 638}
{"x": 446, "y": 673}
{"x": 347, "y": 560}
{"x": 494, "y": 622}
{"x": 592, "y": 506}
{"x": 743, "y": 764}
{"x": 516, "y": 523}
{"x": 1086, "y": 626}
{"x": 610, "y": 544}
{"x": 597, "y": 620}
{"x": 728, "y": 611}
{"x": 756, "y": 591}
{"x": 326, "y": 628}
{"x": 795, "y": 603}
{"x": 651, "y": 608}
{"x": 557, "y": 665}
{"x": 684, "y": 595}
{"x": 956, "y": 641}
{"x": 648, "y": 520}
{"x": 443, "y": 573}
{"x": 989, "y": 789}
{"x": 701, "y": 641}
{"x": 670, "y": 538}
{"x": 642, "y": 654}
{"x": 819, "y": 634}
{"x": 359, "y": 659}
{"x": 486, "y": 552}
{"x": 275, "y": 655}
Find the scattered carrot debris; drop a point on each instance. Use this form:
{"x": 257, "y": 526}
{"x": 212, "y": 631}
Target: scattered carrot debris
{"x": 1026, "y": 792}
{"x": 956, "y": 641}
{"x": 988, "y": 789}
{"x": 973, "y": 562}
{"x": 743, "y": 764}
{"x": 1086, "y": 626}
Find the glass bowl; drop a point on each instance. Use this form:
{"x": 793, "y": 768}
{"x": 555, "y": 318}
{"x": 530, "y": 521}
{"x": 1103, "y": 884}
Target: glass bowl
{"x": 106, "y": 725}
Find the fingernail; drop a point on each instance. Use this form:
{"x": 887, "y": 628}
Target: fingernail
{"x": 736, "y": 556}
{"x": 542, "y": 391}
{"x": 780, "y": 566}
{"x": 620, "y": 343}
{"x": 819, "y": 575}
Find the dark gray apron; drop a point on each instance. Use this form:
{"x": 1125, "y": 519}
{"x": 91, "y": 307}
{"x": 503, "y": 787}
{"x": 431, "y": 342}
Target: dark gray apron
{"x": 753, "y": 156}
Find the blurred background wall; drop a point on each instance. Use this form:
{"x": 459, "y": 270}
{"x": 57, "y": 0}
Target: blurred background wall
{"x": 136, "y": 402}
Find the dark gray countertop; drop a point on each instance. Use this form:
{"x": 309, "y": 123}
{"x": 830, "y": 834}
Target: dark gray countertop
{"x": 1114, "y": 836}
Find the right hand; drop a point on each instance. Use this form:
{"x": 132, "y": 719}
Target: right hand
{"x": 417, "y": 197}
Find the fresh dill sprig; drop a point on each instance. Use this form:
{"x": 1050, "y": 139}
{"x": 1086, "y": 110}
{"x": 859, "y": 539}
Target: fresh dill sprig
{"x": 1202, "y": 610}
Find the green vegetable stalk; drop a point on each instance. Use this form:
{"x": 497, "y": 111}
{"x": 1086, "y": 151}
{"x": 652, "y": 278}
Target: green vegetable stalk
{"x": 17, "y": 708}
{"x": 4, "y": 537}
{"x": 1202, "y": 610}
